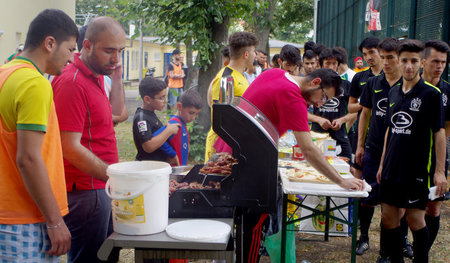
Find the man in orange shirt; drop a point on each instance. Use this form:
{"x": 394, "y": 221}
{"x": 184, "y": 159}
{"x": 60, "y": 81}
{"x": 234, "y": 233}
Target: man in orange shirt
{"x": 359, "y": 65}
{"x": 176, "y": 75}
{"x": 33, "y": 198}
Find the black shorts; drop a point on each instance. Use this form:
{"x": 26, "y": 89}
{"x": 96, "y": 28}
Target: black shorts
{"x": 371, "y": 162}
{"x": 404, "y": 195}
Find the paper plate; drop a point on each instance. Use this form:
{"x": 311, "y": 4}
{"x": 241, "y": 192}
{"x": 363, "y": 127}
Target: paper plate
{"x": 198, "y": 230}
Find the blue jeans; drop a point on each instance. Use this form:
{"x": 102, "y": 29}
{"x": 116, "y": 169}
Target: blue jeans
{"x": 90, "y": 223}
{"x": 174, "y": 95}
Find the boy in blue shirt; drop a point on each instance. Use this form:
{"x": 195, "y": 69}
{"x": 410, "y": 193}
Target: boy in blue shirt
{"x": 188, "y": 107}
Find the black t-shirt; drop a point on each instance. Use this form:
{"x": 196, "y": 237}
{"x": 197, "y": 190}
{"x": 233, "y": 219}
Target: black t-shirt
{"x": 331, "y": 110}
{"x": 412, "y": 118}
{"x": 375, "y": 97}
{"x": 145, "y": 123}
{"x": 359, "y": 81}
{"x": 358, "y": 84}
{"x": 444, "y": 87}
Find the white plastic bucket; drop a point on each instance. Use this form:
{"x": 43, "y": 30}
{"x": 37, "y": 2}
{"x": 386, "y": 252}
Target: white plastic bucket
{"x": 140, "y": 196}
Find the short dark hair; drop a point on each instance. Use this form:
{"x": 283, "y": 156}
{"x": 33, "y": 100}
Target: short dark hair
{"x": 342, "y": 55}
{"x": 410, "y": 45}
{"x": 439, "y": 45}
{"x": 50, "y": 22}
{"x": 328, "y": 53}
{"x": 238, "y": 41}
{"x": 388, "y": 44}
{"x": 290, "y": 54}
{"x": 317, "y": 48}
{"x": 191, "y": 98}
{"x": 176, "y": 52}
{"x": 329, "y": 78}
{"x": 262, "y": 51}
{"x": 275, "y": 60}
{"x": 81, "y": 37}
{"x": 226, "y": 51}
{"x": 308, "y": 45}
{"x": 150, "y": 86}
{"x": 368, "y": 43}
{"x": 309, "y": 54}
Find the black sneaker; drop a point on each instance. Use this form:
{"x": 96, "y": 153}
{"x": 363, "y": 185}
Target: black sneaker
{"x": 407, "y": 250}
{"x": 382, "y": 259}
{"x": 361, "y": 247}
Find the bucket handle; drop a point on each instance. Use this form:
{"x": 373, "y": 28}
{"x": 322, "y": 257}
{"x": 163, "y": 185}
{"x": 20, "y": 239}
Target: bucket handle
{"x": 128, "y": 197}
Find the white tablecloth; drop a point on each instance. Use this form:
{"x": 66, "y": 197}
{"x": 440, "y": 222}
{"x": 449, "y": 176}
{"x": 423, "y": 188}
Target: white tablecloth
{"x": 320, "y": 189}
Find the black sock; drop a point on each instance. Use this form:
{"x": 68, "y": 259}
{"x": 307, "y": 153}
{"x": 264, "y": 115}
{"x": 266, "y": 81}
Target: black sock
{"x": 421, "y": 245}
{"x": 433, "y": 227}
{"x": 365, "y": 217}
{"x": 393, "y": 240}
{"x": 383, "y": 250}
{"x": 404, "y": 229}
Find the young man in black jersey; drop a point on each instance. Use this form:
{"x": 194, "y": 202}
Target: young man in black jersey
{"x": 371, "y": 131}
{"x": 332, "y": 116}
{"x": 433, "y": 64}
{"x": 368, "y": 48}
{"x": 415, "y": 123}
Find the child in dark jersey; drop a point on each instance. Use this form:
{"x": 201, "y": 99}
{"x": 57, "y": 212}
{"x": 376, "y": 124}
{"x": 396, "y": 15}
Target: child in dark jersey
{"x": 145, "y": 122}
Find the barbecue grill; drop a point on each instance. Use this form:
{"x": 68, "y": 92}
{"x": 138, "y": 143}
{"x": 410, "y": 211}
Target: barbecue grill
{"x": 253, "y": 181}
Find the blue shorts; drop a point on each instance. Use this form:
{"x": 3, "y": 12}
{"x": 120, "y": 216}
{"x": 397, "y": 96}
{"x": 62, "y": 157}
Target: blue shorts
{"x": 371, "y": 163}
{"x": 174, "y": 95}
{"x": 25, "y": 243}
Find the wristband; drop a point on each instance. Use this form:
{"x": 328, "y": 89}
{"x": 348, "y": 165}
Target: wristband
{"x": 55, "y": 226}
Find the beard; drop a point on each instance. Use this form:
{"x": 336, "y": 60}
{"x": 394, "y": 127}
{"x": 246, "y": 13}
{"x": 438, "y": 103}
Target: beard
{"x": 307, "y": 96}
{"x": 96, "y": 65}
{"x": 413, "y": 76}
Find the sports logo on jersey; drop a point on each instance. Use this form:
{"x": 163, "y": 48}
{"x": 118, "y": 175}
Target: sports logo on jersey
{"x": 142, "y": 126}
{"x": 415, "y": 104}
{"x": 331, "y": 105}
{"x": 444, "y": 99}
{"x": 401, "y": 121}
{"x": 381, "y": 107}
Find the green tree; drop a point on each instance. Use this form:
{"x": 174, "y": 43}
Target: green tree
{"x": 118, "y": 9}
{"x": 260, "y": 19}
{"x": 293, "y": 20}
{"x": 201, "y": 24}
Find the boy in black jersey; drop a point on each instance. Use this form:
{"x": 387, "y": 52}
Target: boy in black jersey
{"x": 415, "y": 122}
{"x": 332, "y": 116}
{"x": 371, "y": 131}
{"x": 154, "y": 97}
{"x": 368, "y": 48}
{"x": 434, "y": 62}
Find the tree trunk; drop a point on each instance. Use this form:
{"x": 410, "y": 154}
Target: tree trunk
{"x": 192, "y": 70}
{"x": 262, "y": 30}
{"x": 219, "y": 35}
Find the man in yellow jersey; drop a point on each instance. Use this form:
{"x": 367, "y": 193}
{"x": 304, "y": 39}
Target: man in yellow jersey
{"x": 242, "y": 54}
{"x": 33, "y": 198}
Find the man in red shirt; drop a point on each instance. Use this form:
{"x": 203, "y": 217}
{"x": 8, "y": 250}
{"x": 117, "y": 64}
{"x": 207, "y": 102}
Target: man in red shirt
{"x": 87, "y": 134}
{"x": 284, "y": 99}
